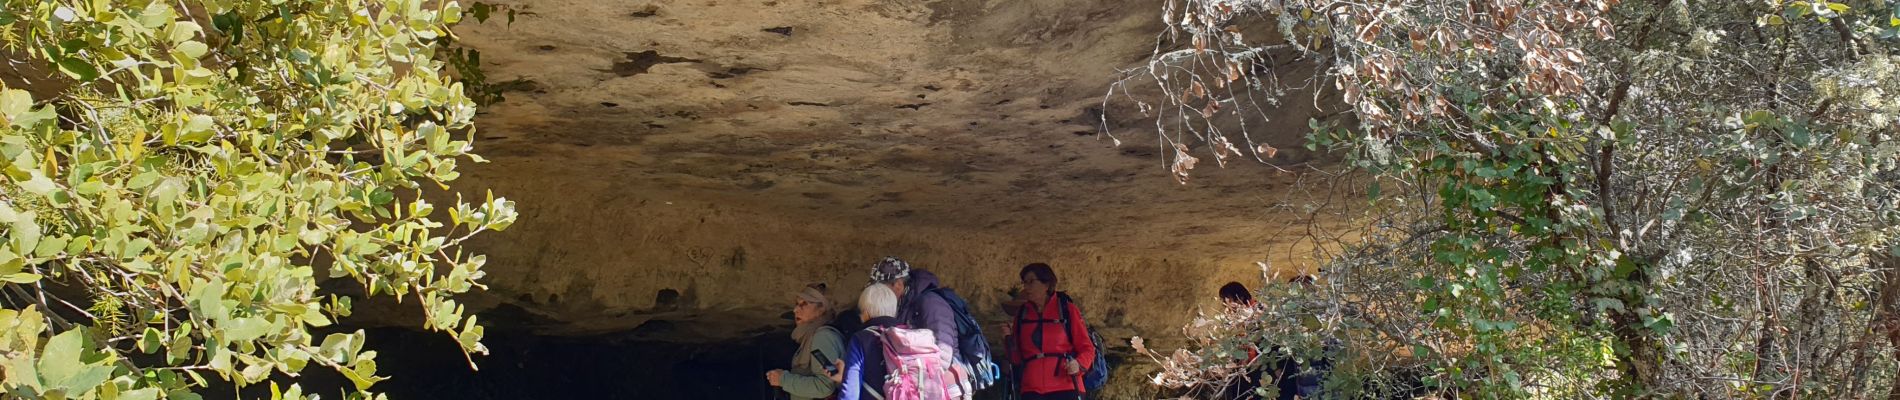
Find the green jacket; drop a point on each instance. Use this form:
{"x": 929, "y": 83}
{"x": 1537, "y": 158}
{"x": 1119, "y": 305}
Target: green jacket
{"x": 807, "y": 379}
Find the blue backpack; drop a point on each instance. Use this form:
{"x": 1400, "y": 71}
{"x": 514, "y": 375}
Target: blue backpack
{"x": 1098, "y": 371}
{"x": 972, "y": 347}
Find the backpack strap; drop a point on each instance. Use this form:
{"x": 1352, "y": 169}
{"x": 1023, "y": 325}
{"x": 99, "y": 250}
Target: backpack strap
{"x": 1063, "y": 302}
{"x": 1017, "y": 334}
{"x": 866, "y": 383}
{"x": 890, "y": 351}
{"x": 1015, "y": 345}
{"x": 1062, "y": 317}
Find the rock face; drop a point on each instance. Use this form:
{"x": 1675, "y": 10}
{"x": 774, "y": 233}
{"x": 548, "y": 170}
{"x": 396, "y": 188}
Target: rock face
{"x": 693, "y": 162}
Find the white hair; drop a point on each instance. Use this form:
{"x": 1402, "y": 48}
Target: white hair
{"x": 878, "y": 300}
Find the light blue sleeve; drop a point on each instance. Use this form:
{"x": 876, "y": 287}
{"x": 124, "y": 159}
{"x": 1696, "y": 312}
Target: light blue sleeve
{"x": 853, "y": 386}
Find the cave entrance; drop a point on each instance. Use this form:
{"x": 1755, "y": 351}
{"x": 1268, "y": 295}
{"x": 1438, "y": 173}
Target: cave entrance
{"x": 521, "y": 365}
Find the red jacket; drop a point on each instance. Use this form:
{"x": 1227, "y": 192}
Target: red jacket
{"x": 1044, "y": 373}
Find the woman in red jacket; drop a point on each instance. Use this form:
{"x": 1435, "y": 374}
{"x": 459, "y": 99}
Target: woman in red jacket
{"x": 1050, "y": 347}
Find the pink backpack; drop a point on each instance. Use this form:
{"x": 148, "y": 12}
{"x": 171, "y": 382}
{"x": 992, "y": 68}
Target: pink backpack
{"x": 917, "y": 370}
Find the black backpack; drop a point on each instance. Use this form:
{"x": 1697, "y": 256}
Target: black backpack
{"x": 972, "y": 347}
{"x": 847, "y": 322}
{"x": 1097, "y": 375}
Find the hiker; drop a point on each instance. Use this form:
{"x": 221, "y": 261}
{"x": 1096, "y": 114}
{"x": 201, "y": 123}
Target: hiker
{"x": 923, "y": 303}
{"x": 812, "y": 310}
{"x": 914, "y": 307}
{"x": 1235, "y": 295}
{"x": 1049, "y": 346}
{"x": 1295, "y": 380}
{"x": 862, "y": 367}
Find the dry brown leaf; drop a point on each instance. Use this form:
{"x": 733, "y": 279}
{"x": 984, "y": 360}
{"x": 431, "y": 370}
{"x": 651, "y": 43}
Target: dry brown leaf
{"x": 1370, "y": 32}
{"x": 1269, "y": 151}
{"x": 1182, "y": 163}
{"x": 1212, "y": 107}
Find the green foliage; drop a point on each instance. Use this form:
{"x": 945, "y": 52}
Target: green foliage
{"x": 1601, "y": 198}
{"x": 185, "y": 174}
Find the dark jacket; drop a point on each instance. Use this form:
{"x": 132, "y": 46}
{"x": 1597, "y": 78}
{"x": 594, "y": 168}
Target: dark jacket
{"x": 1039, "y": 362}
{"x": 864, "y": 361}
{"x": 1292, "y": 378}
{"x": 919, "y": 308}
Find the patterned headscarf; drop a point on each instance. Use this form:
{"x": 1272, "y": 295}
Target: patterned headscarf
{"x": 890, "y": 270}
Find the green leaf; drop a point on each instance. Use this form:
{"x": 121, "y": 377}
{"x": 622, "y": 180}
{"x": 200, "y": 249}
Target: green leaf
{"x": 135, "y": 248}
{"x": 9, "y": 264}
{"x": 50, "y": 246}
{"x": 363, "y": 374}
{"x": 198, "y": 128}
{"x": 452, "y": 13}
{"x": 140, "y": 394}
{"x": 78, "y": 69}
{"x": 14, "y": 102}
{"x": 142, "y": 180}
{"x": 38, "y": 184}
{"x": 91, "y": 187}
{"x": 183, "y": 31}
{"x": 1608, "y": 304}
{"x": 314, "y": 317}
{"x": 193, "y": 49}
{"x": 26, "y": 232}
{"x": 167, "y": 192}
{"x": 59, "y": 362}
{"x": 246, "y": 329}
{"x": 151, "y": 341}
{"x": 89, "y": 378}
{"x": 21, "y": 372}
{"x": 21, "y": 278}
